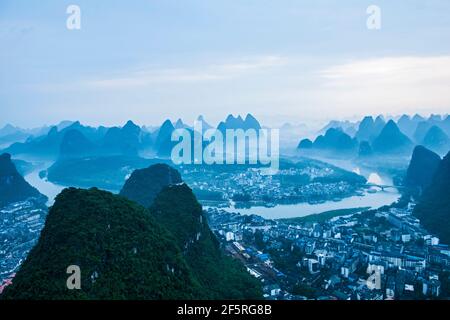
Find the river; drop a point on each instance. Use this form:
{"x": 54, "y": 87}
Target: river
{"x": 45, "y": 187}
{"x": 373, "y": 200}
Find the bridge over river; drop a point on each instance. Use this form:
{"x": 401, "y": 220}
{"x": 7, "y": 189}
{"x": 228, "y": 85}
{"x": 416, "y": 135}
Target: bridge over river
{"x": 383, "y": 187}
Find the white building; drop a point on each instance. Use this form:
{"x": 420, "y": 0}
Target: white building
{"x": 229, "y": 236}
{"x": 313, "y": 266}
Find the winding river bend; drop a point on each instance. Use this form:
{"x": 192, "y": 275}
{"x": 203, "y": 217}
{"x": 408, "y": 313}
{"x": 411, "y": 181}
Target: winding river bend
{"x": 45, "y": 187}
{"x": 373, "y": 200}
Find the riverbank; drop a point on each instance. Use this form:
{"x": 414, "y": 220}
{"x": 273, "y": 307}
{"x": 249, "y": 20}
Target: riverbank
{"x": 50, "y": 189}
{"x": 324, "y": 216}
{"x": 366, "y": 199}
{"x": 369, "y": 200}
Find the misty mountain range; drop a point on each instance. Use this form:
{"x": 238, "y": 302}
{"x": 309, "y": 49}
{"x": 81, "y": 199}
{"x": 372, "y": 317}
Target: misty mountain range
{"x": 72, "y": 139}
{"x": 376, "y": 136}
{"x": 366, "y": 137}
{"x": 164, "y": 210}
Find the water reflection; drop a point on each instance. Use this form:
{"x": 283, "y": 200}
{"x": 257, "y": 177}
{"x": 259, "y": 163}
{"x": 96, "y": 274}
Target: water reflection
{"x": 374, "y": 198}
{"x": 369, "y": 199}
{"x": 45, "y": 187}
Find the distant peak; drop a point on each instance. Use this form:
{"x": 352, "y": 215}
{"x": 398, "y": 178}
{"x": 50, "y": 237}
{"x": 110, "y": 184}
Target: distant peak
{"x": 404, "y": 117}
{"x": 130, "y": 123}
{"x": 436, "y": 129}
{"x": 167, "y": 125}
{"x": 391, "y": 126}
{"x": 65, "y": 124}
{"x": 419, "y": 149}
{"x": 145, "y": 184}
{"x": 53, "y": 130}
{"x": 8, "y": 126}
{"x": 5, "y": 157}
{"x": 74, "y": 125}
{"x": 391, "y": 123}
{"x": 435, "y": 117}
{"x": 230, "y": 117}
{"x": 167, "y": 122}
{"x": 335, "y": 130}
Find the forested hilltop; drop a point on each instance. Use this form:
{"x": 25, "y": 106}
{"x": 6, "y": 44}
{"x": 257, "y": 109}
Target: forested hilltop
{"x": 433, "y": 209}
{"x": 126, "y": 251}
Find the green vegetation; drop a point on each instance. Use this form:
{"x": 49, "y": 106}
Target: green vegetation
{"x": 242, "y": 197}
{"x": 13, "y": 186}
{"x": 324, "y": 216}
{"x": 108, "y": 172}
{"x": 304, "y": 290}
{"x": 145, "y": 184}
{"x": 123, "y": 253}
{"x": 221, "y": 277}
{"x": 175, "y": 206}
{"x": 433, "y": 210}
{"x": 422, "y": 168}
{"x": 445, "y": 283}
{"x": 126, "y": 251}
{"x": 207, "y": 195}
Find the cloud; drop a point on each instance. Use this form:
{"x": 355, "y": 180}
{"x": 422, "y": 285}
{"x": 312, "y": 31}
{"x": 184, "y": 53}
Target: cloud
{"x": 392, "y": 84}
{"x": 212, "y": 72}
{"x": 400, "y": 70}
{"x": 302, "y": 88}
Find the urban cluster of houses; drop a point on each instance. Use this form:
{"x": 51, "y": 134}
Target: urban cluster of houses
{"x": 20, "y": 226}
{"x": 371, "y": 255}
{"x": 290, "y": 185}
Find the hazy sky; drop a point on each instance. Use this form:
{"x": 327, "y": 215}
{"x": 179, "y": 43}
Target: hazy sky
{"x": 283, "y": 60}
